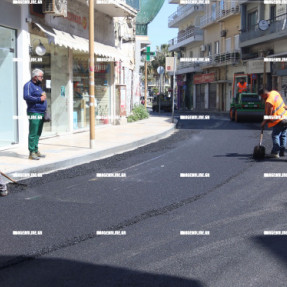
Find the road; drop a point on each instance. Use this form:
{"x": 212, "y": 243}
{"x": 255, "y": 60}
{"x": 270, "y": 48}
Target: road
{"x": 152, "y": 205}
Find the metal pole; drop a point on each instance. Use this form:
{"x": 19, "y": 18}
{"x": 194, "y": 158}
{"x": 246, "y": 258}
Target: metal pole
{"x": 92, "y": 74}
{"x": 159, "y": 93}
{"x": 264, "y": 76}
{"x": 145, "y": 89}
{"x": 173, "y": 89}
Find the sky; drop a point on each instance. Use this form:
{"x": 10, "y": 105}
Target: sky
{"x": 158, "y": 30}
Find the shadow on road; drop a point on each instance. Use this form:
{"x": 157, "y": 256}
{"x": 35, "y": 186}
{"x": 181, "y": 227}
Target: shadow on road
{"x": 66, "y": 273}
{"x": 216, "y": 124}
{"x": 250, "y": 157}
{"x": 237, "y": 155}
{"x": 275, "y": 245}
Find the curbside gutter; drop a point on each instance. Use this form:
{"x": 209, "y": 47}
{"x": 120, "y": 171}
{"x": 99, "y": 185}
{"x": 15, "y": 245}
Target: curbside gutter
{"x": 92, "y": 156}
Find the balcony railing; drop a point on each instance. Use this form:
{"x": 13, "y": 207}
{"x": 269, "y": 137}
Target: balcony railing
{"x": 188, "y": 65}
{"x": 189, "y": 33}
{"x": 226, "y": 58}
{"x": 223, "y": 9}
{"x": 182, "y": 12}
{"x": 277, "y": 24}
{"x": 116, "y": 8}
{"x": 111, "y": 2}
{"x": 227, "y": 8}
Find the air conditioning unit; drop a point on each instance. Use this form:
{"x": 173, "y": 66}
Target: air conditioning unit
{"x": 202, "y": 48}
{"x": 55, "y": 7}
{"x": 223, "y": 33}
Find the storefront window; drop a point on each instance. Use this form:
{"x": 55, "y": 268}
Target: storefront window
{"x": 81, "y": 114}
{"x": 55, "y": 83}
{"x": 81, "y": 111}
{"x": 43, "y": 63}
{"x": 8, "y": 96}
{"x": 102, "y": 92}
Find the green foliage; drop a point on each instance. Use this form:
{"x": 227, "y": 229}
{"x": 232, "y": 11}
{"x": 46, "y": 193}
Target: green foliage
{"x": 155, "y": 91}
{"x": 138, "y": 113}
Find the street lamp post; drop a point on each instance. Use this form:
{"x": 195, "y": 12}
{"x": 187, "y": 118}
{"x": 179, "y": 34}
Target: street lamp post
{"x": 173, "y": 88}
{"x": 92, "y": 74}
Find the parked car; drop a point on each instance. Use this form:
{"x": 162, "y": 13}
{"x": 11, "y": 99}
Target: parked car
{"x": 165, "y": 103}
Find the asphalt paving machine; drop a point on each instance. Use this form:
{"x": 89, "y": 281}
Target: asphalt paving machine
{"x": 247, "y": 105}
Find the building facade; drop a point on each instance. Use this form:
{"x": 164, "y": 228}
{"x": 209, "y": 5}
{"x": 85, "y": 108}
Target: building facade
{"x": 60, "y": 47}
{"x": 236, "y": 38}
{"x": 187, "y": 46}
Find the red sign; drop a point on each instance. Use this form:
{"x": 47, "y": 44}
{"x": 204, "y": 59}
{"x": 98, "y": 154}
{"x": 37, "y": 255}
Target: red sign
{"x": 204, "y": 78}
{"x": 78, "y": 19}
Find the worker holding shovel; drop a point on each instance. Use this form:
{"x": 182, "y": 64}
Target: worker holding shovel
{"x": 276, "y": 117}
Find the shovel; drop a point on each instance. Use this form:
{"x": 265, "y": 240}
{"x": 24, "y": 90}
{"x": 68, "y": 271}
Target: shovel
{"x": 12, "y": 179}
{"x": 259, "y": 150}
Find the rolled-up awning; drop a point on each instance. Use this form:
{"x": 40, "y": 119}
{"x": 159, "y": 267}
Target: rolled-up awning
{"x": 74, "y": 42}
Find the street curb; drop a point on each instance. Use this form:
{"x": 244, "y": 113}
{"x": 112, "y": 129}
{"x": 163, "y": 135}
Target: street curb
{"x": 82, "y": 159}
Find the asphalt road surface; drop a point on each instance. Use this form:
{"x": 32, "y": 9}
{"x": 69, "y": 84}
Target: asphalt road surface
{"x": 227, "y": 216}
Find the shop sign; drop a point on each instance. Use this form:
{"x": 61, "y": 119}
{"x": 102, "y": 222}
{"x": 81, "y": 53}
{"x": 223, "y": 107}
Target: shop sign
{"x": 77, "y": 19}
{"x": 280, "y": 9}
{"x": 101, "y": 68}
{"x": 204, "y": 78}
{"x": 169, "y": 64}
{"x": 257, "y": 67}
{"x": 76, "y": 23}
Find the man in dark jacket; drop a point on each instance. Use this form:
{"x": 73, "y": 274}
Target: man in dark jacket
{"x": 35, "y": 98}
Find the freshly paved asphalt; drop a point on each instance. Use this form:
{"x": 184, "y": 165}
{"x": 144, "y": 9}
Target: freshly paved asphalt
{"x": 236, "y": 204}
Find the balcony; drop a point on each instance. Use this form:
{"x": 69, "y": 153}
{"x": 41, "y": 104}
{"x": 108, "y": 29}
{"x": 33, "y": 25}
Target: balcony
{"x": 223, "y": 10}
{"x": 207, "y": 20}
{"x": 187, "y": 67}
{"x": 182, "y": 13}
{"x": 115, "y": 8}
{"x": 277, "y": 28}
{"x": 222, "y": 59}
{"x": 186, "y": 37}
{"x": 227, "y": 9}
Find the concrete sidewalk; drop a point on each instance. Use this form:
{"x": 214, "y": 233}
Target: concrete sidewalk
{"x": 73, "y": 149}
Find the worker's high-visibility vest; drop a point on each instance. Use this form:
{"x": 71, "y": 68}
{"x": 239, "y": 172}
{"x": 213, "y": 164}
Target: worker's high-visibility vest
{"x": 242, "y": 87}
{"x": 278, "y": 110}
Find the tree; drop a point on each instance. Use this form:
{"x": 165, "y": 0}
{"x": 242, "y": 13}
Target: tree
{"x": 159, "y": 60}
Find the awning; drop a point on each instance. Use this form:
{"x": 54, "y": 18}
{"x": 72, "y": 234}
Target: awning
{"x": 277, "y": 55}
{"x": 74, "y": 42}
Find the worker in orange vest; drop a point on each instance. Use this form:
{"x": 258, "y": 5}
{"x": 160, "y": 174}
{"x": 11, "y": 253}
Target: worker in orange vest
{"x": 276, "y": 117}
{"x": 242, "y": 86}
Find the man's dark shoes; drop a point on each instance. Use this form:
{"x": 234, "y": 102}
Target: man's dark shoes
{"x": 33, "y": 156}
{"x": 39, "y": 154}
{"x": 282, "y": 153}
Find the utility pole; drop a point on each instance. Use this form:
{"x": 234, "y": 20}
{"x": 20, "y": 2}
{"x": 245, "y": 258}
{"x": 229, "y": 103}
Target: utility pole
{"x": 148, "y": 53}
{"x": 145, "y": 89}
{"x": 92, "y": 74}
{"x": 264, "y": 75}
{"x": 173, "y": 87}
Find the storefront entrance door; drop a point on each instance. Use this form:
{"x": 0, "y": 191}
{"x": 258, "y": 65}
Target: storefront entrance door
{"x": 8, "y": 103}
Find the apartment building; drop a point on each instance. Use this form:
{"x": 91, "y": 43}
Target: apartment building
{"x": 221, "y": 25}
{"x": 264, "y": 35}
{"x": 236, "y": 37}
{"x": 186, "y": 45}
